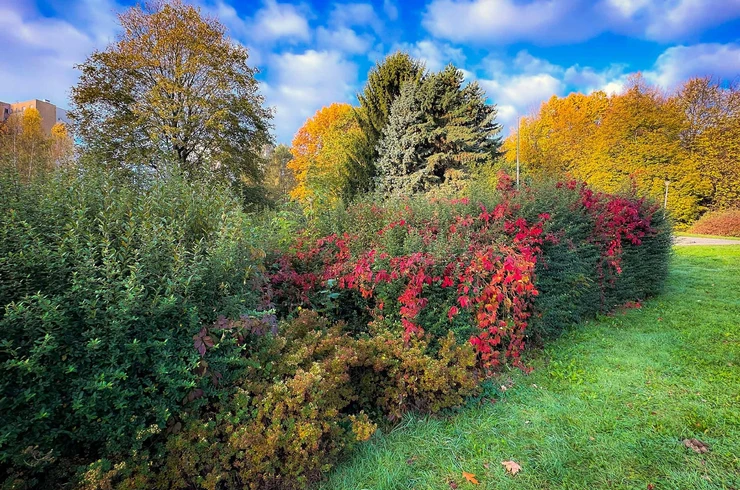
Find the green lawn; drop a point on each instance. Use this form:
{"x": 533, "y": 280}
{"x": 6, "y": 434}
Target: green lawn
{"x": 607, "y": 405}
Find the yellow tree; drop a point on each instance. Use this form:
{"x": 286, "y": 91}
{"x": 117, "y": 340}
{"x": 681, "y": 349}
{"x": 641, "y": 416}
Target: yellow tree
{"x": 712, "y": 135}
{"x": 61, "y": 146}
{"x": 323, "y": 155}
{"x": 25, "y": 145}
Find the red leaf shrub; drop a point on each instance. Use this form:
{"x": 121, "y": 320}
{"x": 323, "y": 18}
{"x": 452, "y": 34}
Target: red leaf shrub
{"x": 722, "y": 223}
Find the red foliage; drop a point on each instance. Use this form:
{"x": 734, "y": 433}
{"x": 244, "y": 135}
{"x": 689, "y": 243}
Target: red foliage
{"x": 485, "y": 269}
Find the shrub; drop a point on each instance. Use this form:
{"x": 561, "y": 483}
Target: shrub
{"x": 307, "y": 398}
{"x": 723, "y": 223}
{"x": 103, "y": 288}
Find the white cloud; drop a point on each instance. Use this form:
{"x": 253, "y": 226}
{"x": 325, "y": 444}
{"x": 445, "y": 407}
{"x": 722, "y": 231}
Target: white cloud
{"x": 435, "y": 55}
{"x": 678, "y": 63}
{"x": 302, "y": 83}
{"x": 521, "y": 94}
{"x": 552, "y": 22}
{"x": 355, "y": 15}
{"x": 344, "y": 39}
{"x": 39, "y": 53}
{"x": 507, "y": 21}
{"x": 276, "y": 21}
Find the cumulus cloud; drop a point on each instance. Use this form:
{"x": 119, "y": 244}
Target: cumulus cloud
{"x": 507, "y": 21}
{"x": 563, "y": 21}
{"x": 40, "y": 53}
{"x": 344, "y": 39}
{"x": 303, "y": 83}
{"x": 355, "y": 15}
{"x": 678, "y": 63}
{"x": 434, "y": 55}
{"x": 276, "y": 21}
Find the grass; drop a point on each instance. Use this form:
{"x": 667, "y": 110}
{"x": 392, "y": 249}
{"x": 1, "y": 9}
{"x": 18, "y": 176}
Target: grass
{"x": 607, "y": 405}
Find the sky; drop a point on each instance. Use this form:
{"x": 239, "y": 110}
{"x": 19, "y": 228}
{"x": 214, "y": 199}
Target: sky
{"x": 311, "y": 53}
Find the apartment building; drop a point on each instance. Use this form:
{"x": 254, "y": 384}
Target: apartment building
{"x": 50, "y": 113}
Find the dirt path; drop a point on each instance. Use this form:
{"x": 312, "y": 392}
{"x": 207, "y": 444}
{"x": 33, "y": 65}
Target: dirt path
{"x": 689, "y": 240}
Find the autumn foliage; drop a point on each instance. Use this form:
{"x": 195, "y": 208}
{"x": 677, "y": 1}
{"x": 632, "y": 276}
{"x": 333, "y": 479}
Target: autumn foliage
{"x": 644, "y": 137}
{"x": 723, "y": 223}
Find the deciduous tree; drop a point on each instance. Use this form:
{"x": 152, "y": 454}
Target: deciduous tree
{"x": 173, "y": 88}
{"x": 323, "y": 162}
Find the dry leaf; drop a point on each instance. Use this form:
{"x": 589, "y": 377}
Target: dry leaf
{"x": 470, "y": 477}
{"x": 486, "y": 465}
{"x": 411, "y": 460}
{"x": 511, "y": 467}
{"x": 696, "y": 445}
{"x": 453, "y": 485}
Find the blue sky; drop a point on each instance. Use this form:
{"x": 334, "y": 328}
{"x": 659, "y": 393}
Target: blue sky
{"x": 314, "y": 52}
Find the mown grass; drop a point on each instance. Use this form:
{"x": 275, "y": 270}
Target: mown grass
{"x": 607, "y": 405}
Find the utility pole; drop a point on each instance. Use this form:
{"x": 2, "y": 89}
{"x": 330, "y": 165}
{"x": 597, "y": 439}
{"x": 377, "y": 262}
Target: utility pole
{"x": 665, "y": 199}
{"x": 518, "y": 127}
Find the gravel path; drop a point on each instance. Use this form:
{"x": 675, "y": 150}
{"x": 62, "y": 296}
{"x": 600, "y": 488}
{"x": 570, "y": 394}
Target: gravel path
{"x": 689, "y": 240}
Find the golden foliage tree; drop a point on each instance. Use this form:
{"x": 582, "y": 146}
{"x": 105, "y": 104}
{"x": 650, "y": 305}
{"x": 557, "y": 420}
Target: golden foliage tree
{"x": 642, "y": 137}
{"x": 25, "y": 146}
{"x": 323, "y": 159}
{"x": 173, "y": 88}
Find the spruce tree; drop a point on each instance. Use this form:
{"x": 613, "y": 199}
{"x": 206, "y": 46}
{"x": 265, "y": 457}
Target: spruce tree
{"x": 434, "y": 127}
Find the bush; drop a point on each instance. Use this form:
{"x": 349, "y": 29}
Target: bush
{"x": 307, "y": 398}
{"x": 104, "y": 287}
{"x": 722, "y": 223}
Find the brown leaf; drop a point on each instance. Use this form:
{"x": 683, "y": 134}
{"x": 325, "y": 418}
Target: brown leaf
{"x": 696, "y": 445}
{"x": 511, "y": 467}
{"x": 411, "y": 460}
{"x": 453, "y": 485}
{"x": 470, "y": 477}
{"x": 486, "y": 465}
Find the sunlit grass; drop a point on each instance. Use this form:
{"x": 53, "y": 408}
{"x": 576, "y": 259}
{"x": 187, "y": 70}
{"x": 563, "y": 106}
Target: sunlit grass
{"x": 607, "y": 405}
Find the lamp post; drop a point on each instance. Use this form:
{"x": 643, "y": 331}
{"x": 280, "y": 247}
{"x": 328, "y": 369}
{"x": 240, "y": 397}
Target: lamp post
{"x": 665, "y": 198}
{"x": 518, "y": 128}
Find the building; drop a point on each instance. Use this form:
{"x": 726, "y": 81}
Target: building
{"x": 50, "y": 114}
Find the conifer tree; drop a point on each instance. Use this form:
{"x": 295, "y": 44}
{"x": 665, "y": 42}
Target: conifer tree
{"x": 436, "y": 127}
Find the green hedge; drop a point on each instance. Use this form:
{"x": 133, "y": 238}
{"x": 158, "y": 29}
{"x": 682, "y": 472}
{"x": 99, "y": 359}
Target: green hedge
{"x": 102, "y": 287}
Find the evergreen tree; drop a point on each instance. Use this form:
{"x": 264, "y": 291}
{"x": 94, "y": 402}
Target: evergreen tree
{"x": 435, "y": 128}
{"x": 384, "y": 83}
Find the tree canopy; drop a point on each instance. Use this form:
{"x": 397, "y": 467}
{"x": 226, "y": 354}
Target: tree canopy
{"x": 173, "y": 88}
{"x": 323, "y": 160}
{"x": 437, "y": 128}
{"x": 644, "y": 137}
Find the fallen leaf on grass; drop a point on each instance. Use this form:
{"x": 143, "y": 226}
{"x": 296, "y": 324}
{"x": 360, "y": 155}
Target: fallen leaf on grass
{"x": 486, "y": 465}
{"x": 696, "y": 445}
{"x": 453, "y": 485}
{"x": 511, "y": 467}
{"x": 470, "y": 477}
{"x": 411, "y": 460}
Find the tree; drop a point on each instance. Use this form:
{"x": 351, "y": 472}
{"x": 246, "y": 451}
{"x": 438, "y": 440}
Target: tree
{"x": 61, "y": 146}
{"x": 325, "y": 167}
{"x": 172, "y": 88}
{"x": 24, "y": 146}
{"x": 384, "y": 83}
{"x": 712, "y": 135}
{"x": 436, "y": 129}
{"x": 279, "y": 179}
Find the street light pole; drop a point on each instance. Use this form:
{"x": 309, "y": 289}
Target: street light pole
{"x": 665, "y": 199}
{"x": 518, "y": 128}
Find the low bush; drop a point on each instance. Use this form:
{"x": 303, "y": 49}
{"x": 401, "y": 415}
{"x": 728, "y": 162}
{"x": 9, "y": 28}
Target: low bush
{"x": 721, "y": 223}
{"x": 103, "y": 287}
{"x": 307, "y": 398}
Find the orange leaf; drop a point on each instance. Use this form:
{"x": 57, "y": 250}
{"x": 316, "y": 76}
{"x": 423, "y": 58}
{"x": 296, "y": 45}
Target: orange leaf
{"x": 470, "y": 477}
{"x": 511, "y": 467}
